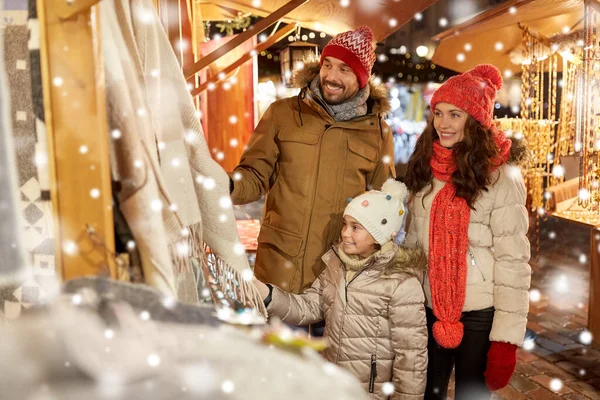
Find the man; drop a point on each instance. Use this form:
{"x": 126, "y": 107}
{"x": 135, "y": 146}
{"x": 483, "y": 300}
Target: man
{"x": 310, "y": 154}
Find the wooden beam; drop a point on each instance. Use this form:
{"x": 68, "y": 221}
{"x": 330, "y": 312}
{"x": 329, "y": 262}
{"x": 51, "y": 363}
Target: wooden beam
{"x": 480, "y": 18}
{"x": 246, "y": 57}
{"x": 76, "y": 127}
{"x": 68, "y": 8}
{"x": 242, "y": 37}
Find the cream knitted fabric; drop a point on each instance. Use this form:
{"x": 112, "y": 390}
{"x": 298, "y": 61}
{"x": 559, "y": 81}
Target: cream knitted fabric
{"x": 164, "y": 112}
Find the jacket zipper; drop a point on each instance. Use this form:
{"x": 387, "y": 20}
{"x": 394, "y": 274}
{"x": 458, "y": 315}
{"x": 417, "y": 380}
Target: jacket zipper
{"x": 314, "y": 195}
{"x": 373, "y": 373}
{"x": 474, "y": 264}
{"x": 346, "y": 284}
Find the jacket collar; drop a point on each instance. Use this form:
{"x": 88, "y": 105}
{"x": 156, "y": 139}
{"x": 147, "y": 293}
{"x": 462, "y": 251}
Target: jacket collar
{"x": 395, "y": 259}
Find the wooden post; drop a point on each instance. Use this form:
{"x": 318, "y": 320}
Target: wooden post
{"x": 76, "y": 126}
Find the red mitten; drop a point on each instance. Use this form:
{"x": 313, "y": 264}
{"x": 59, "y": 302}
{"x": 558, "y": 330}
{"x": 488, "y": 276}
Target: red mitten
{"x": 501, "y": 363}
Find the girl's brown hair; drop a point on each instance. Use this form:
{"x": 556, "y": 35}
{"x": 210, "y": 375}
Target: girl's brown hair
{"x": 473, "y": 157}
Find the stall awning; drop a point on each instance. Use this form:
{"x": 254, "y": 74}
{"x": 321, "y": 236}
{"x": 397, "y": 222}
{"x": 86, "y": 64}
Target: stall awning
{"x": 326, "y": 15}
{"x": 499, "y": 25}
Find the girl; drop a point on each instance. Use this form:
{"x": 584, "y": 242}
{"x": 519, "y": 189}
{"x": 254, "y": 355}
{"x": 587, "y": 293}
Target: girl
{"x": 370, "y": 297}
{"x": 467, "y": 210}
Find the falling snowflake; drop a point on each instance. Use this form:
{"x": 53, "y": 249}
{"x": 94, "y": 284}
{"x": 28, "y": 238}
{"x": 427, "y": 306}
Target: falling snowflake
{"x": 552, "y": 235}
{"x": 69, "y": 247}
{"x": 556, "y": 385}
{"x": 528, "y": 344}
{"x": 145, "y": 315}
{"x": 561, "y": 284}
{"x": 585, "y": 337}
{"x": 388, "y": 388}
{"x": 227, "y": 387}
{"x": 247, "y": 274}
{"x": 534, "y": 295}
{"x": 77, "y": 299}
{"x": 329, "y": 368}
{"x": 83, "y": 149}
{"x": 153, "y": 360}
{"x": 225, "y": 202}
{"x": 109, "y": 334}
{"x": 239, "y": 249}
{"x": 168, "y": 302}
{"x": 116, "y": 134}
{"x": 94, "y": 193}
{"x": 156, "y": 205}
{"x": 209, "y": 184}
{"x": 558, "y": 171}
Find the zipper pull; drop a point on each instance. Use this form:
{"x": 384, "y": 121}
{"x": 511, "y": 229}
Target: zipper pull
{"x": 373, "y": 373}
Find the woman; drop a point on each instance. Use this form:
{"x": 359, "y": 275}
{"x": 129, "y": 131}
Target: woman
{"x": 468, "y": 212}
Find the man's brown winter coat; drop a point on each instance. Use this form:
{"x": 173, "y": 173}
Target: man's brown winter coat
{"x": 375, "y": 323}
{"x": 309, "y": 165}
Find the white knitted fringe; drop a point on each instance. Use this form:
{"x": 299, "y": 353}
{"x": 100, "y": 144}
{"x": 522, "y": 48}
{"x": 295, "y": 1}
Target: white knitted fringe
{"x": 227, "y": 285}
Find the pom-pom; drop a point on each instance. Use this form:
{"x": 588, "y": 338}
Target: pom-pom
{"x": 395, "y": 189}
{"x": 448, "y": 334}
{"x": 489, "y": 73}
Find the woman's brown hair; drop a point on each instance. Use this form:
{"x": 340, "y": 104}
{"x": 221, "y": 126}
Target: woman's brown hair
{"x": 473, "y": 157}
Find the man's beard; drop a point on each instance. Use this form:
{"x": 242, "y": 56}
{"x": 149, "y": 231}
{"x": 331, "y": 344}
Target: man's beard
{"x": 337, "y": 100}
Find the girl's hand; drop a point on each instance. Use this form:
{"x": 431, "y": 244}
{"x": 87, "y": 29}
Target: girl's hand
{"x": 263, "y": 289}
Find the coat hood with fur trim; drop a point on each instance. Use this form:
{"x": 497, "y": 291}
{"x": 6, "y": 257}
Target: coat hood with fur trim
{"x": 379, "y": 93}
{"x": 410, "y": 260}
{"x": 519, "y": 151}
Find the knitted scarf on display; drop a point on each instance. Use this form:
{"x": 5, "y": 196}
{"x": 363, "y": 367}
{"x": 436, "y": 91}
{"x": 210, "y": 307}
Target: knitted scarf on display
{"x": 448, "y": 245}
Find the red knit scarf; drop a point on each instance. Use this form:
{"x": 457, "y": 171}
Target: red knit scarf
{"x": 448, "y": 245}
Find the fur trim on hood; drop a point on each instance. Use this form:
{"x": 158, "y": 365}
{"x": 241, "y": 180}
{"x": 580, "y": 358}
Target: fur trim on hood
{"x": 379, "y": 92}
{"x": 411, "y": 260}
{"x": 519, "y": 152}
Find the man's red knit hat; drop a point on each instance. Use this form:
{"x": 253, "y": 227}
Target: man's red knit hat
{"x": 355, "y": 48}
{"x": 474, "y": 92}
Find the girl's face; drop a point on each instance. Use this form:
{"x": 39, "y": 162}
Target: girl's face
{"x": 449, "y": 121}
{"x": 357, "y": 240}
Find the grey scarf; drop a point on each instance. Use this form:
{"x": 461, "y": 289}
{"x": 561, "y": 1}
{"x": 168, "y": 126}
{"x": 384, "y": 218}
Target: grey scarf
{"x": 353, "y": 108}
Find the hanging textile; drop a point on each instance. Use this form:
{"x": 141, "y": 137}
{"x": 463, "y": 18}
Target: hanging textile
{"x": 173, "y": 195}
{"x": 12, "y": 257}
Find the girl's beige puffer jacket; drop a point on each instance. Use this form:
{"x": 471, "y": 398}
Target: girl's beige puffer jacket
{"x": 375, "y": 323}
